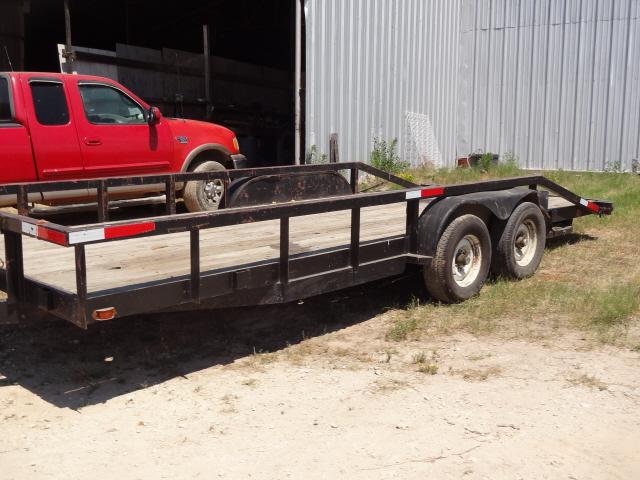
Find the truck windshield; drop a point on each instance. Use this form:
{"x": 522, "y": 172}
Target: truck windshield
{"x": 5, "y": 105}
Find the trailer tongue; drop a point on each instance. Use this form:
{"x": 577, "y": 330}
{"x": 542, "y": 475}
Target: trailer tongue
{"x": 455, "y": 233}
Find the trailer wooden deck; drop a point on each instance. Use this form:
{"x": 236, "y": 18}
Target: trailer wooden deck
{"x": 136, "y": 261}
{"x": 141, "y": 260}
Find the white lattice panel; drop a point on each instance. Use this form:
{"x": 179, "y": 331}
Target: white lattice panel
{"x": 422, "y": 145}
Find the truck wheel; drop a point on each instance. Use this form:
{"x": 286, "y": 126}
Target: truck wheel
{"x": 519, "y": 250}
{"x": 461, "y": 263}
{"x": 202, "y": 196}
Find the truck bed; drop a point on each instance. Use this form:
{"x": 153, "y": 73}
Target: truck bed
{"x": 142, "y": 260}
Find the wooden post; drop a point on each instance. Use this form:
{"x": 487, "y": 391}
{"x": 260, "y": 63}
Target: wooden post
{"x": 68, "y": 48}
{"x": 207, "y": 71}
{"x": 334, "y": 154}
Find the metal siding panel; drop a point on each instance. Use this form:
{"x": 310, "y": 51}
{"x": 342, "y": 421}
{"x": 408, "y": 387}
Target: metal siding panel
{"x": 484, "y": 14}
{"x": 569, "y": 75}
{"x": 528, "y": 9}
{"x": 467, "y": 17}
{"x": 554, "y": 82}
{"x": 370, "y": 61}
{"x": 616, "y": 89}
{"x": 574, "y": 8}
{"x": 632, "y": 145}
{"x": 494, "y": 89}
{"x": 509, "y": 97}
{"x": 557, "y": 12}
{"x": 566, "y": 117}
{"x": 497, "y": 14}
{"x": 599, "y": 98}
{"x": 553, "y": 88}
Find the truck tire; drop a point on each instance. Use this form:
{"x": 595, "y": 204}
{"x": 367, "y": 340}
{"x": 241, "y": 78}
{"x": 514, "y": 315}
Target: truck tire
{"x": 461, "y": 262}
{"x": 202, "y": 196}
{"x": 520, "y": 247}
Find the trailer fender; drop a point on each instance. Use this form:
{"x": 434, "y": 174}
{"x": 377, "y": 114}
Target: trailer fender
{"x": 489, "y": 206}
{"x": 283, "y": 188}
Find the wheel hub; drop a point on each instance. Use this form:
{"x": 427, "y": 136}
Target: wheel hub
{"x": 214, "y": 190}
{"x": 526, "y": 241}
{"x": 467, "y": 261}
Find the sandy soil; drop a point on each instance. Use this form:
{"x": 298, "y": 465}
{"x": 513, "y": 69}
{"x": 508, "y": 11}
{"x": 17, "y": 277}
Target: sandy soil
{"x": 185, "y": 396}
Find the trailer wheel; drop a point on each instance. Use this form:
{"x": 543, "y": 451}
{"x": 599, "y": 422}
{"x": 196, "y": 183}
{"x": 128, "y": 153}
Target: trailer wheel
{"x": 461, "y": 263}
{"x": 203, "y": 196}
{"x": 519, "y": 250}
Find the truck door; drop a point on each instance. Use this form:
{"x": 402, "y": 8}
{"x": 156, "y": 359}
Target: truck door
{"x": 53, "y": 136}
{"x": 16, "y": 158}
{"x": 114, "y": 134}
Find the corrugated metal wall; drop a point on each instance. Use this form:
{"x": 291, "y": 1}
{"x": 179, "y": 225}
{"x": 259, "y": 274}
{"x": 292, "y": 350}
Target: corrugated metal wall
{"x": 555, "y": 82}
{"x": 369, "y": 62}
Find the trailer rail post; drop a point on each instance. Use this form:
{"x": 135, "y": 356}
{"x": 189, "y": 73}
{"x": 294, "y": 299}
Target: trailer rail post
{"x": 225, "y": 192}
{"x": 22, "y": 200}
{"x": 354, "y": 249}
{"x": 14, "y": 265}
{"x": 81, "y": 286}
{"x": 354, "y": 180}
{"x": 413, "y": 211}
{"x": 283, "y": 271}
{"x": 103, "y": 201}
{"x": 194, "y": 283}
{"x": 170, "y": 194}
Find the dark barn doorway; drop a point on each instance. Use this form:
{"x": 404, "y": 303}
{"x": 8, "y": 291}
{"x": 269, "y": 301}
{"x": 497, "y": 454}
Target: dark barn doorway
{"x": 155, "y": 48}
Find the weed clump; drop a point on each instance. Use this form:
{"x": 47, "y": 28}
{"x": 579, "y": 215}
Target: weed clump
{"x": 384, "y": 156}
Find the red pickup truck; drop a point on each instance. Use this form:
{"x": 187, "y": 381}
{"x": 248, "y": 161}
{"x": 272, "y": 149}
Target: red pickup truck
{"x": 57, "y": 126}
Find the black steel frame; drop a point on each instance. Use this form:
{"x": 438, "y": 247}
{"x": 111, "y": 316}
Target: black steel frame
{"x": 286, "y": 278}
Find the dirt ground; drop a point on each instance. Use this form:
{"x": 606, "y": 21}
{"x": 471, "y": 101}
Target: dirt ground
{"x": 311, "y": 391}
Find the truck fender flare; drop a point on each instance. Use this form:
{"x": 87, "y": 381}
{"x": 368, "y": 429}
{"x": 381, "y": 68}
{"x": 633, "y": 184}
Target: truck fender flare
{"x": 489, "y": 206}
{"x": 207, "y": 147}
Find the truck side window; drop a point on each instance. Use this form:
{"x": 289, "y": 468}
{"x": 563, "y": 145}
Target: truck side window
{"x": 5, "y": 104}
{"x": 50, "y": 103}
{"x": 104, "y": 105}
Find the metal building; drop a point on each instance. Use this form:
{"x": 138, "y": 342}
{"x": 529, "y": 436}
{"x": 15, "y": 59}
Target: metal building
{"x": 554, "y": 82}
{"x": 12, "y": 34}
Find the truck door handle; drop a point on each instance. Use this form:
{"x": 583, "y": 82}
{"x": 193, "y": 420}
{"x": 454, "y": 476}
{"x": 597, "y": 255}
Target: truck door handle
{"x": 92, "y": 142}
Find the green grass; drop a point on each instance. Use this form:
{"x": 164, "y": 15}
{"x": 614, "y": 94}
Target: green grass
{"x": 589, "y": 284}
{"x": 612, "y": 306}
{"x": 402, "y": 328}
{"x": 426, "y": 366}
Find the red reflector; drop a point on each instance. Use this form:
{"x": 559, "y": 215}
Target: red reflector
{"x": 432, "y": 192}
{"x": 54, "y": 236}
{"x": 593, "y": 207}
{"x": 129, "y": 230}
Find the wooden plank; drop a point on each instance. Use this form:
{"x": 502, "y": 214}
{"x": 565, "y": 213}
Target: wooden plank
{"x": 557, "y": 202}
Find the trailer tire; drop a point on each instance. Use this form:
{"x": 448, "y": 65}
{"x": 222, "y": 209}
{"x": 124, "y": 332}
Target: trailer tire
{"x": 461, "y": 262}
{"x": 202, "y": 196}
{"x": 520, "y": 246}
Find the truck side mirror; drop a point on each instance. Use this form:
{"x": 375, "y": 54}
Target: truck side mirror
{"x": 153, "y": 116}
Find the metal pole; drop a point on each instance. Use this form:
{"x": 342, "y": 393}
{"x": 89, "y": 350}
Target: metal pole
{"x": 298, "y": 84}
{"x": 68, "y": 49}
{"x": 207, "y": 70}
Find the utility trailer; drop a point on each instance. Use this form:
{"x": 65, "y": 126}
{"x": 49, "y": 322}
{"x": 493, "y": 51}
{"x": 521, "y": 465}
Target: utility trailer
{"x": 286, "y": 233}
